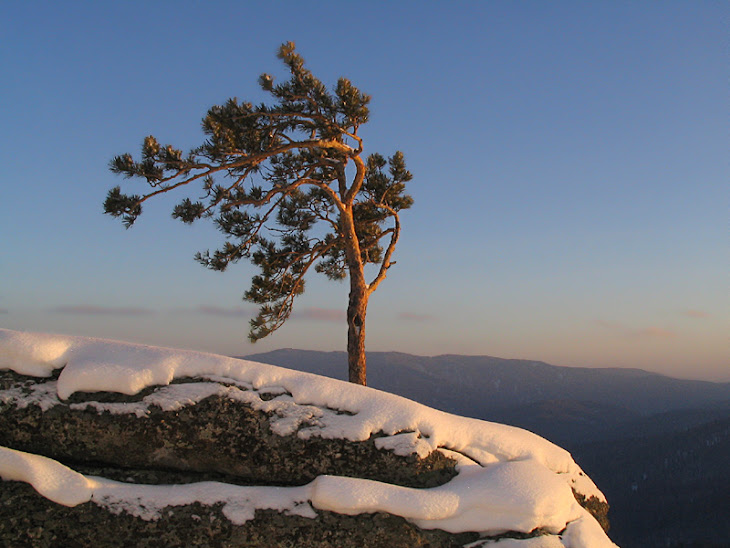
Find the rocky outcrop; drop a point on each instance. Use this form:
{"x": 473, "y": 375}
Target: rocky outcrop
{"x": 27, "y": 519}
{"x": 219, "y": 437}
{"x": 193, "y": 462}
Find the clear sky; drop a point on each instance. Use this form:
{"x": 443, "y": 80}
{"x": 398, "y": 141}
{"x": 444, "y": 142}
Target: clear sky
{"x": 569, "y": 158}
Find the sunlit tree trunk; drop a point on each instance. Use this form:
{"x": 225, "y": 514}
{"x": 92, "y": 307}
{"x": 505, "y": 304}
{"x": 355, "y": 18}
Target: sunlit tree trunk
{"x": 358, "y": 301}
{"x": 356, "y": 310}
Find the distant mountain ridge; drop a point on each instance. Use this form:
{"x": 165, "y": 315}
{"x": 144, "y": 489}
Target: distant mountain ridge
{"x": 479, "y": 385}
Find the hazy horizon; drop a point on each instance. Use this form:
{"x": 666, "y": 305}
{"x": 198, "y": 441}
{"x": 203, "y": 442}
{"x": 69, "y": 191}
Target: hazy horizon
{"x": 569, "y": 160}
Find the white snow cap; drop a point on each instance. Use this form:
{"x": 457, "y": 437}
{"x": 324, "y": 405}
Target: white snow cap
{"x": 51, "y": 479}
{"x": 508, "y": 479}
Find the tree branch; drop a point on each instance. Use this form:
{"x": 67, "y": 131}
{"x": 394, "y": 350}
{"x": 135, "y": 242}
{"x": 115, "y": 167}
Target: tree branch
{"x": 386, "y": 264}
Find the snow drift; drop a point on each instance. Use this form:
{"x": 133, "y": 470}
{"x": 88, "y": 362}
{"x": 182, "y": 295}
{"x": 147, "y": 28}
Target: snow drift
{"x": 508, "y": 479}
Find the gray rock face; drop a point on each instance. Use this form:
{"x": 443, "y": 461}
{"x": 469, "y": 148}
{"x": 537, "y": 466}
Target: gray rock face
{"x": 27, "y": 519}
{"x": 217, "y": 438}
{"x": 233, "y": 435}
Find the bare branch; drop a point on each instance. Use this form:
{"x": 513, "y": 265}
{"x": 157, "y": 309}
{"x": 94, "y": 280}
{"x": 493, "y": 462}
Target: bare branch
{"x": 386, "y": 264}
{"x": 357, "y": 182}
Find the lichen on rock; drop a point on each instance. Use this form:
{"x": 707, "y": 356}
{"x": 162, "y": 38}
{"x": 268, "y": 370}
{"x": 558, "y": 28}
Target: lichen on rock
{"x": 223, "y": 434}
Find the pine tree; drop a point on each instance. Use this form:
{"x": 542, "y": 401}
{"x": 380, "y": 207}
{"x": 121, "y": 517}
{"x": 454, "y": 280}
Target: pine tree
{"x": 287, "y": 185}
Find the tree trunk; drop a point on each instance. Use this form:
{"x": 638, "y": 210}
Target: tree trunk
{"x": 356, "y": 310}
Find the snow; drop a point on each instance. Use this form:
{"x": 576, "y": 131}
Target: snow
{"x": 51, "y": 479}
{"x": 508, "y": 479}
{"x": 239, "y": 502}
{"x": 509, "y": 496}
{"x": 69, "y": 488}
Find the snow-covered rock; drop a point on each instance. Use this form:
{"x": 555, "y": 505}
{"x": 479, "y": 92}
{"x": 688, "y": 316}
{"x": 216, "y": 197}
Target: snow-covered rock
{"x": 216, "y": 430}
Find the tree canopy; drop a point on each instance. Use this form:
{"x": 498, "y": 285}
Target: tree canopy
{"x": 287, "y": 185}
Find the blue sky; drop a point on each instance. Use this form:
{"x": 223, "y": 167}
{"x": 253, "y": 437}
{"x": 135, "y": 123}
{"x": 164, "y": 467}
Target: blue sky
{"x": 570, "y": 163}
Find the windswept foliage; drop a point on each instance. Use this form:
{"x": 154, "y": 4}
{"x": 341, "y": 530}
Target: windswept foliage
{"x": 286, "y": 184}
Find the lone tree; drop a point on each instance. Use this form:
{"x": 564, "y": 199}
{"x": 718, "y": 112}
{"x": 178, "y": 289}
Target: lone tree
{"x": 288, "y": 186}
